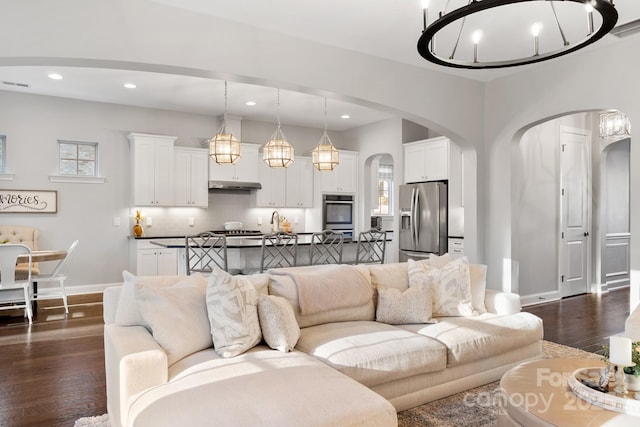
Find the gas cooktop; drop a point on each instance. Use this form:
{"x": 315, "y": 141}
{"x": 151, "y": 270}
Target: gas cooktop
{"x": 238, "y": 232}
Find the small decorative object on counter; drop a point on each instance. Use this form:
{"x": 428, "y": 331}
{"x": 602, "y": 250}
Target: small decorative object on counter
{"x": 285, "y": 225}
{"x": 137, "y": 228}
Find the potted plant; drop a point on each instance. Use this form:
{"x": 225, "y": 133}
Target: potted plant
{"x": 632, "y": 373}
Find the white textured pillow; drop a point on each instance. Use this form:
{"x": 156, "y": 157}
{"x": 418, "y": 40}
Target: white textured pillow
{"x": 278, "y": 322}
{"x": 127, "y": 312}
{"x": 177, "y": 316}
{"x": 396, "y": 307}
{"x": 450, "y": 286}
{"x": 232, "y": 303}
{"x": 478, "y": 279}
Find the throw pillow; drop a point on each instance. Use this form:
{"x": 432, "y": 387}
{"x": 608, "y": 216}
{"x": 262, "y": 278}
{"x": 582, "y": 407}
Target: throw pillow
{"x": 177, "y": 316}
{"x": 232, "y": 303}
{"x": 128, "y": 312}
{"x": 397, "y": 307}
{"x": 478, "y": 279}
{"x": 450, "y": 286}
{"x": 278, "y": 322}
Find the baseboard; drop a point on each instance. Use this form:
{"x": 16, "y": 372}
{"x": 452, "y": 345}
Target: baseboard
{"x": 539, "y": 298}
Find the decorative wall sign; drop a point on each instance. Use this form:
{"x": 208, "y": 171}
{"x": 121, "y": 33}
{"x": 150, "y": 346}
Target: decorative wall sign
{"x": 26, "y": 201}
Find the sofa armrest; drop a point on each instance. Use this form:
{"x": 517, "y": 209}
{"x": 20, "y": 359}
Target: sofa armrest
{"x": 500, "y": 302}
{"x": 134, "y": 362}
{"x": 632, "y": 325}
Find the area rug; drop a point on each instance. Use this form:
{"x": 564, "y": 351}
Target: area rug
{"x": 471, "y": 408}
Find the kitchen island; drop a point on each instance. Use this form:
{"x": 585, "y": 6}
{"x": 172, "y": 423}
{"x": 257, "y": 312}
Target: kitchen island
{"x": 243, "y": 252}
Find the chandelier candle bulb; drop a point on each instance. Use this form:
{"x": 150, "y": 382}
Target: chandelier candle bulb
{"x": 535, "y": 30}
{"x": 425, "y": 14}
{"x": 589, "y": 9}
{"x": 475, "y": 37}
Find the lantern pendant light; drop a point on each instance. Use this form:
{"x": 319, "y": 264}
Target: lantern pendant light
{"x": 277, "y": 152}
{"x": 325, "y": 156}
{"x": 224, "y": 148}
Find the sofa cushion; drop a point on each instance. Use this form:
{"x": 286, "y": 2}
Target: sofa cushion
{"x": 278, "y": 323}
{"x": 372, "y": 353}
{"x": 450, "y": 286}
{"x": 176, "y": 315}
{"x": 396, "y": 275}
{"x": 470, "y": 338}
{"x": 478, "y": 282}
{"x": 284, "y": 286}
{"x": 396, "y": 307}
{"x": 232, "y": 304}
{"x": 261, "y": 387}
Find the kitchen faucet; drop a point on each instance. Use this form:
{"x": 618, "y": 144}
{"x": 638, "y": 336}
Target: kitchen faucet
{"x": 275, "y": 220}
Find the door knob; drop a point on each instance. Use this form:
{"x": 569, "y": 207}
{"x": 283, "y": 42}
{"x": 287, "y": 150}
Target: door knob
{"x": 586, "y": 233}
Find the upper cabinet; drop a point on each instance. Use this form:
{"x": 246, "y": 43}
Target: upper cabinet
{"x": 273, "y": 181}
{"x": 244, "y": 170}
{"x": 426, "y": 160}
{"x": 190, "y": 177}
{"x": 152, "y": 169}
{"x": 299, "y": 186}
{"x": 344, "y": 178}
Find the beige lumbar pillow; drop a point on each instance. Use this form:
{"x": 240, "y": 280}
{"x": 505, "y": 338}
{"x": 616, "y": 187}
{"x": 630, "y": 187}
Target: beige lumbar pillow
{"x": 176, "y": 315}
{"x": 450, "y": 286}
{"x": 396, "y": 307}
{"x": 232, "y": 304}
{"x": 478, "y": 279}
{"x": 278, "y": 322}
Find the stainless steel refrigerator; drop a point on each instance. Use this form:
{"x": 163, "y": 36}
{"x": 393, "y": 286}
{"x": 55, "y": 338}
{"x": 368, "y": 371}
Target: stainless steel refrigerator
{"x": 423, "y": 220}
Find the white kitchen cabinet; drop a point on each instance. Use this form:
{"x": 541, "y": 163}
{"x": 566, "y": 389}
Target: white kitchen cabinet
{"x": 152, "y": 260}
{"x": 456, "y": 247}
{"x": 299, "y": 188}
{"x": 273, "y": 181}
{"x": 190, "y": 177}
{"x": 344, "y": 178}
{"x": 426, "y": 160}
{"x": 152, "y": 169}
{"x": 244, "y": 170}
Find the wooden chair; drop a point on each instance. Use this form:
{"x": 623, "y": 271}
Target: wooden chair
{"x": 371, "y": 247}
{"x": 10, "y": 297}
{"x": 205, "y": 251}
{"x": 57, "y": 275}
{"x": 278, "y": 250}
{"x": 326, "y": 247}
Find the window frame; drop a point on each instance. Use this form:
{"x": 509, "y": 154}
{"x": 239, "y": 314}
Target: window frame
{"x": 3, "y": 153}
{"x": 389, "y": 175}
{"x": 78, "y": 159}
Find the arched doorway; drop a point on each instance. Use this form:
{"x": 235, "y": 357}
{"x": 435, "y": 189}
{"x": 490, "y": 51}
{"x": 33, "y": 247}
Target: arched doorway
{"x": 539, "y": 196}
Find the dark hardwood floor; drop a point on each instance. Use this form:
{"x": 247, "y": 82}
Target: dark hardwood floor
{"x": 52, "y": 373}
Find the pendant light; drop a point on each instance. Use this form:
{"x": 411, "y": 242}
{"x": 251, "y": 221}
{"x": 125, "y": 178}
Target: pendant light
{"x": 224, "y": 148}
{"x": 325, "y": 156}
{"x": 277, "y": 152}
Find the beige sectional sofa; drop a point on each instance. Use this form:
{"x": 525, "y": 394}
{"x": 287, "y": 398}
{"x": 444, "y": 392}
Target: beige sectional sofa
{"x": 346, "y": 368}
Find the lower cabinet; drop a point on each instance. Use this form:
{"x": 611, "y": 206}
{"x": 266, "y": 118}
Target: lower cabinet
{"x": 152, "y": 260}
{"x": 456, "y": 247}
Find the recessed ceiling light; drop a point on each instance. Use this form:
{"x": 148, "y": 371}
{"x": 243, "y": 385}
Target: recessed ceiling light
{"x": 129, "y": 85}
{"x": 250, "y": 103}
{"x": 345, "y": 116}
{"x": 55, "y": 76}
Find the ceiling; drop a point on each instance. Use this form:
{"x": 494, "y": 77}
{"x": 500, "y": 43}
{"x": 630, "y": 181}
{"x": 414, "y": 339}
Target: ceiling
{"x": 387, "y": 29}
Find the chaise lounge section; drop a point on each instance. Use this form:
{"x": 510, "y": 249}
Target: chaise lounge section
{"x": 355, "y": 361}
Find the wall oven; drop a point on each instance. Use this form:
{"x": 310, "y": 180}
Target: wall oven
{"x": 337, "y": 213}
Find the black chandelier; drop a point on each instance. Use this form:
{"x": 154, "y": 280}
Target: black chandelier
{"x": 571, "y": 25}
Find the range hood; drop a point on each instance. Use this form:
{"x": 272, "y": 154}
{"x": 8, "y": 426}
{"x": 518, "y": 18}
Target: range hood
{"x": 234, "y": 185}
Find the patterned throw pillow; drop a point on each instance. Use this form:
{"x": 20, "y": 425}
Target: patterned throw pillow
{"x": 232, "y": 304}
{"x": 396, "y": 307}
{"x": 278, "y": 323}
{"x": 450, "y": 286}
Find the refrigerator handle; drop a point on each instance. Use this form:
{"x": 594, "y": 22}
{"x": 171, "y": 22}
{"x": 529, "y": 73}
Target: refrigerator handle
{"x": 416, "y": 220}
{"x": 413, "y": 217}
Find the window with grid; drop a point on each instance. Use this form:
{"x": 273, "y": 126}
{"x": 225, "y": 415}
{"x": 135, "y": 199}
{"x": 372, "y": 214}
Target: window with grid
{"x": 385, "y": 190}
{"x": 3, "y": 157}
{"x": 78, "y": 158}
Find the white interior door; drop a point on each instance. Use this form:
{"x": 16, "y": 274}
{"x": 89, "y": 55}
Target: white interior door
{"x": 575, "y": 209}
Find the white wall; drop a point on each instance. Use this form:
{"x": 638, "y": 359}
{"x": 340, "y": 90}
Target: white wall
{"x": 595, "y": 80}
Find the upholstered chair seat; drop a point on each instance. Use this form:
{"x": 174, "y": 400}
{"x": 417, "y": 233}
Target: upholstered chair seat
{"x": 25, "y": 235}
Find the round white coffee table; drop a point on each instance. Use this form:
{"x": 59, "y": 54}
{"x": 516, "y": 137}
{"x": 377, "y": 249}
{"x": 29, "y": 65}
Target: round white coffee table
{"x": 535, "y": 393}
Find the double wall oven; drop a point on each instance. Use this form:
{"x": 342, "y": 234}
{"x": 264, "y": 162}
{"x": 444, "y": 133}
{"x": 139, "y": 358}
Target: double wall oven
{"x": 337, "y": 213}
